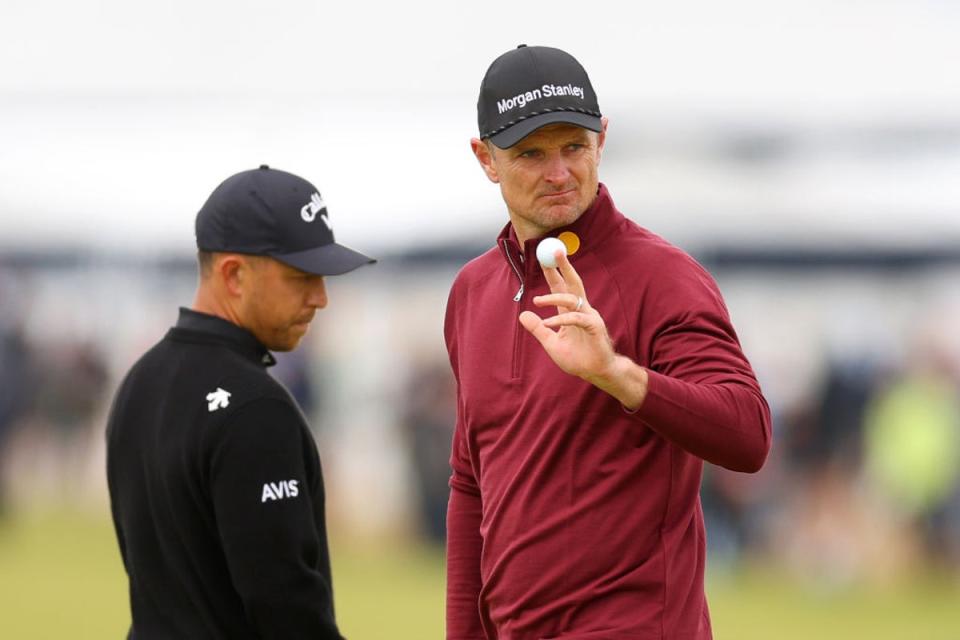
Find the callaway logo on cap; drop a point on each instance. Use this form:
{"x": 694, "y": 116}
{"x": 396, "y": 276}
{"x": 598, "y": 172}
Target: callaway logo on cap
{"x": 531, "y": 87}
{"x": 274, "y": 213}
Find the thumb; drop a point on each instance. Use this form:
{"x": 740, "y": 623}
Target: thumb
{"x": 534, "y": 324}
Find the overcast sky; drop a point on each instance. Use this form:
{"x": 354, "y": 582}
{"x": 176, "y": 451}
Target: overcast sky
{"x": 118, "y": 118}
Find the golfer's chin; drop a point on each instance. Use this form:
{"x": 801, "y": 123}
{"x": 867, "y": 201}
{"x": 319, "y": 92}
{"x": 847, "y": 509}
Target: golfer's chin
{"x": 288, "y": 340}
{"x": 559, "y": 215}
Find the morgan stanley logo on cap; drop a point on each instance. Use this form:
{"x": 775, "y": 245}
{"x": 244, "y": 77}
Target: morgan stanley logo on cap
{"x": 274, "y": 213}
{"x": 530, "y": 87}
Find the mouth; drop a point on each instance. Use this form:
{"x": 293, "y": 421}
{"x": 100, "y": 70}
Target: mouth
{"x": 559, "y": 194}
{"x": 299, "y": 330}
{"x": 303, "y": 322}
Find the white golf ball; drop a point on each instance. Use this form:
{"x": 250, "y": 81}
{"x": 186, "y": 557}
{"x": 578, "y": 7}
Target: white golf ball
{"x": 546, "y": 250}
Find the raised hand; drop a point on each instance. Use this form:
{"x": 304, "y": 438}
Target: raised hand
{"x": 576, "y": 338}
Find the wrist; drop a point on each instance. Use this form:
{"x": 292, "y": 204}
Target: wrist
{"x": 623, "y": 379}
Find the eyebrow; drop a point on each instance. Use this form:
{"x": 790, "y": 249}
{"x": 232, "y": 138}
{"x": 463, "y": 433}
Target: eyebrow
{"x": 577, "y": 137}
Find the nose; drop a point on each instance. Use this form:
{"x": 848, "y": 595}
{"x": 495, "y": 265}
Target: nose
{"x": 317, "y": 294}
{"x": 556, "y": 170}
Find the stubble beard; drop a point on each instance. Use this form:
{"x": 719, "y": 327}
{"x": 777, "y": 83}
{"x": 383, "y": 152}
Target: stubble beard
{"x": 556, "y": 216}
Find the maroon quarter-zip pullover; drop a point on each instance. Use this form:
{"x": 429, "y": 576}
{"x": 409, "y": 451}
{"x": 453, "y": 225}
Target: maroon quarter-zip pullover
{"x": 570, "y": 517}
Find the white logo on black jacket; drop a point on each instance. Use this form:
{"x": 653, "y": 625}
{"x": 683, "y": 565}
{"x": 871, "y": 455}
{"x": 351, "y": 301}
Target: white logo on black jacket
{"x": 219, "y": 399}
{"x": 279, "y": 490}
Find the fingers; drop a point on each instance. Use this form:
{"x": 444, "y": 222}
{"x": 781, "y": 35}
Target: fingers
{"x": 554, "y": 280}
{"x": 543, "y": 328}
{"x": 564, "y": 278}
{"x": 571, "y": 319}
{"x": 562, "y": 301}
{"x": 532, "y": 323}
{"x": 571, "y": 278}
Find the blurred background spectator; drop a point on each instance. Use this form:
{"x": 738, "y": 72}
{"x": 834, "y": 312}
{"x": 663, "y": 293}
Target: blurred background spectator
{"x": 16, "y": 376}
{"x": 429, "y": 414}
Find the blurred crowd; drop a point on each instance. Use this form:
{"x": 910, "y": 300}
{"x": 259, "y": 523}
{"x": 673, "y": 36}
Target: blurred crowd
{"x": 863, "y": 480}
{"x": 51, "y": 394}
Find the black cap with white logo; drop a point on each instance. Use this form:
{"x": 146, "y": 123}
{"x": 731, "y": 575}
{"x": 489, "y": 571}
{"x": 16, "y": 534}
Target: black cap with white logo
{"x": 273, "y": 213}
{"x": 530, "y": 87}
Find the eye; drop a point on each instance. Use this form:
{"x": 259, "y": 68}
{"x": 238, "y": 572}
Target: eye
{"x": 529, "y": 153}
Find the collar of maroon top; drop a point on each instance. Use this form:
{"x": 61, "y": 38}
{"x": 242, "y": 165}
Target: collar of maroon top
{"x": 224, "y": 332}
{"x": 592, "y": 228}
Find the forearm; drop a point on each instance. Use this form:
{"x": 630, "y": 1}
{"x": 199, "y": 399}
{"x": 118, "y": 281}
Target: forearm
{"x": 725, "y": 423}
{"x": 623, "y": 379}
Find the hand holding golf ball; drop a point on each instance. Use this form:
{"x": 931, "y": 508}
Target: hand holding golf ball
{"x": 576, "y": 338}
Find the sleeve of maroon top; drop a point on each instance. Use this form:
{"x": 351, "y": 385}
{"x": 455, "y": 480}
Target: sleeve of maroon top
{"x": 464, "y": 543}
{"x": 702, "y": 393}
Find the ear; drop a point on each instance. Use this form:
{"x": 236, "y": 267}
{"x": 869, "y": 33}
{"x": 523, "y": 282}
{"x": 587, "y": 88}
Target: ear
{"x": 602, "y": 136}
{"x": 485, "y": 158}
{"x": 233, "y": 271}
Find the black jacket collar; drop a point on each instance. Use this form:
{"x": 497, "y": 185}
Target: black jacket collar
{"x": 195, "y": 324}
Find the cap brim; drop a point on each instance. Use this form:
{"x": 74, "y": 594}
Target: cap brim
{"x": 329, "y": 260}
{"x": 512, "y": 135}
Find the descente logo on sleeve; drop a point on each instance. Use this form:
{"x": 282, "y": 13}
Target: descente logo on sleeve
{"x": 279, "y": 490}
{"x": 218, "y": 399}
{"x": 546, "y": 91}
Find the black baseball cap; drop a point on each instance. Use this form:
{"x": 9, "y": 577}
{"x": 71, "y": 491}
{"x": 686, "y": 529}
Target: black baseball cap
{"x": 273, "y": 213}
{"x": 530, "y": 87}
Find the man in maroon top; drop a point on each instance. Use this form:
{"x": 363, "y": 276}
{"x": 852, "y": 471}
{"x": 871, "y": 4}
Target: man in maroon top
{"x": 588, "y": 395}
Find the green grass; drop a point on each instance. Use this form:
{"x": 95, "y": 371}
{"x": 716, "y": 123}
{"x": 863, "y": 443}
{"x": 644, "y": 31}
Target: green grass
{"x": 762, "y": 604}
{"x": 61, "y": 577}
{"x": 384, "y": 592}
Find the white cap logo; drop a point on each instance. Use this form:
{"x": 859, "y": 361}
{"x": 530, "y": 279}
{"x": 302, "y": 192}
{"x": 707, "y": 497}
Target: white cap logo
{"x": 311, "y": 209}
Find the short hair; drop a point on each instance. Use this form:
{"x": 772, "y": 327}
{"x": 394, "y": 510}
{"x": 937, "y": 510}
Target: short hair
{"x": 205, "y": 262}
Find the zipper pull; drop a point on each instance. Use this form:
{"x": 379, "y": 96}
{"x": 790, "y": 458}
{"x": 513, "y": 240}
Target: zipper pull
{"x": 519, "y": 295}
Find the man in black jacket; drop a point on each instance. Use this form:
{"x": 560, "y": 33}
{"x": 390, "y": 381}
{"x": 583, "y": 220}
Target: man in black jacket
{"x": 215, "y": 482}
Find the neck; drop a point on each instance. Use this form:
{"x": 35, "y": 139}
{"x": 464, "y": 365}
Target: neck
{"x": 526, "y": 231}
{"x": 206, "y": 301}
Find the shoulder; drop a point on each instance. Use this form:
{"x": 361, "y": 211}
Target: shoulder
{"x": 477, "y": 270}
{"x": 261, "y": 424}
{"x": 210, "y": 380}
{"x": 643, "y": 256}
{"x": 142, "y": 374}
{"x": 249, "y": 387}
{"x": 475, "y": 273}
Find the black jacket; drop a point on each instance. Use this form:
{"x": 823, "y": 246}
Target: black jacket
{"x": 216, "y": 493}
